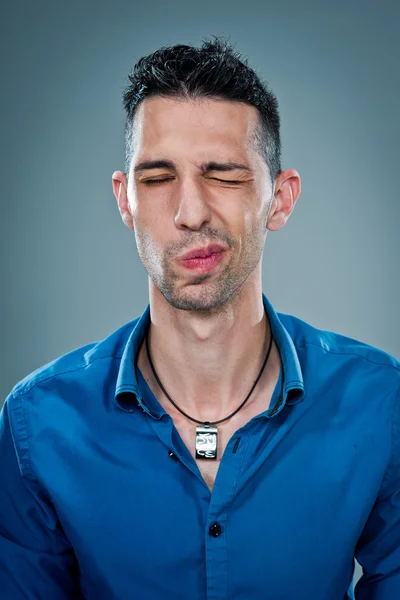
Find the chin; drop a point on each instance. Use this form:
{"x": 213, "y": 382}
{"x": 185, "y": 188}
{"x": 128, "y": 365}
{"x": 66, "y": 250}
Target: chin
{"x": 198, "y": 299}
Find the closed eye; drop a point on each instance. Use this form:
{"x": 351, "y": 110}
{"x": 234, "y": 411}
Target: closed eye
{"x": 234, "y": 181}
{"x": 158, "y": 181}
{"x": 153, "y": 181}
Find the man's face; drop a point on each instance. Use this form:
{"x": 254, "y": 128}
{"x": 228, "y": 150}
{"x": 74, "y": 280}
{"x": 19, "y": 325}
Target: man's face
{"x": 197, "y": 183}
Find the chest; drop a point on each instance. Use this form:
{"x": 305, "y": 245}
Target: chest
{"x": 298, "y": 487}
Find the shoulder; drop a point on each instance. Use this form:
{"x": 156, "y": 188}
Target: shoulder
{"x": 77, "y": 363}
{"x": 329, "y": 345}
{"x": 63, "y": 399}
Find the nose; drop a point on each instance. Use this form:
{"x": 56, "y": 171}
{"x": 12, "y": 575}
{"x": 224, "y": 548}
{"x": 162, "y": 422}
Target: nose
{"x": 192, "y": 206}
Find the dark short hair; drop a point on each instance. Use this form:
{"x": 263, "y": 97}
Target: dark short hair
{"x": 214, "y": 70}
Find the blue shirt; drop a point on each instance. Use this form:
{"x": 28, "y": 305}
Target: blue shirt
{"x": 101, "y": 499}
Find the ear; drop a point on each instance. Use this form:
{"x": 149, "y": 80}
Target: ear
{"x": 120, "y": 189}
{"x": 287, "y": 190}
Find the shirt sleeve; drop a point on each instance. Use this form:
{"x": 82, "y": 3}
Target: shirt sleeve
{"x": 36, "y": 560}
{"x": 378, "y": 549}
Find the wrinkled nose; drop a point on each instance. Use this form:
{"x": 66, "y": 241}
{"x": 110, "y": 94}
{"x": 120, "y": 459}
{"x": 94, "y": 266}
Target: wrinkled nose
{"x": 192, "y": 209}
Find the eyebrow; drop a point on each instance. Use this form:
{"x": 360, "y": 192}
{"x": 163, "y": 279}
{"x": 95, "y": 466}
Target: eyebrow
{"x": 146, "y": 165}
{"x": 228, "y": 166}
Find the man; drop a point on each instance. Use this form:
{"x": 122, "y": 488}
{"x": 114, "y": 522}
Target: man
{"x": 212, "y": 448}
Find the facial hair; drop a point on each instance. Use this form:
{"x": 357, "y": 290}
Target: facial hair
{"x": 202, "y": 292}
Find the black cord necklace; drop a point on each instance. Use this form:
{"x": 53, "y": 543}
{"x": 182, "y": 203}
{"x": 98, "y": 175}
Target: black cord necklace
{"x": 206, "y": 436}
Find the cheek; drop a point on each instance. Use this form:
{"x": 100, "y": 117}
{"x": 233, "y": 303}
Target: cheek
{"x": 144, "y": 208}
{"x": 254, "y": 221}
{"x": 149, "y": 223}
{"x": 151, "y": 240}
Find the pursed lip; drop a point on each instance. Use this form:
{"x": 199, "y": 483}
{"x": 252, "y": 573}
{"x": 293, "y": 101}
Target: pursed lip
{"x": 202, "y": 252}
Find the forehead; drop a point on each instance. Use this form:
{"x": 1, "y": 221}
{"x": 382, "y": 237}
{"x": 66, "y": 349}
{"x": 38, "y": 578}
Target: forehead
{"x": 194, "y": 127}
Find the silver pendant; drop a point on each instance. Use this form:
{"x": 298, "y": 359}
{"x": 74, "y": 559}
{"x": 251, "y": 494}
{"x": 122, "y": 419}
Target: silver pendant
{"x": 206, "y": 441}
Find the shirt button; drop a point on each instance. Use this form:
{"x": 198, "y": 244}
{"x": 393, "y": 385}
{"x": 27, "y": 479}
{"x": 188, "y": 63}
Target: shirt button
{"x": 215, "y": 529}
{"x": 172, "y": 455}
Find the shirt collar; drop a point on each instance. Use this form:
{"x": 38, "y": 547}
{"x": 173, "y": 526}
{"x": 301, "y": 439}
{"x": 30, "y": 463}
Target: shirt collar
{"x": 127, "y": 393}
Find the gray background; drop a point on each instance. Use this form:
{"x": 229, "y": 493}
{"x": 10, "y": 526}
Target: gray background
{"x": 70, "y": 270}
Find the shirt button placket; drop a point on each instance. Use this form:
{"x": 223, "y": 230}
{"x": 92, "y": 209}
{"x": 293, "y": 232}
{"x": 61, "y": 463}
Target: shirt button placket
{"x": 221, "y": 499}
{"x": 216, "y": 559}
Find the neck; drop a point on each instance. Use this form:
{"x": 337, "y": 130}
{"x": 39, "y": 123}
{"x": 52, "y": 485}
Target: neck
{"x": 208, "y": 362}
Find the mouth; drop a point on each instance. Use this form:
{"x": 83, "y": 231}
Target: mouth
{"x": 203, "y": 259}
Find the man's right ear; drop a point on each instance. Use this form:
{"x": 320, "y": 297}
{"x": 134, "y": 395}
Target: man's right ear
{"x": 120, "y": 189}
